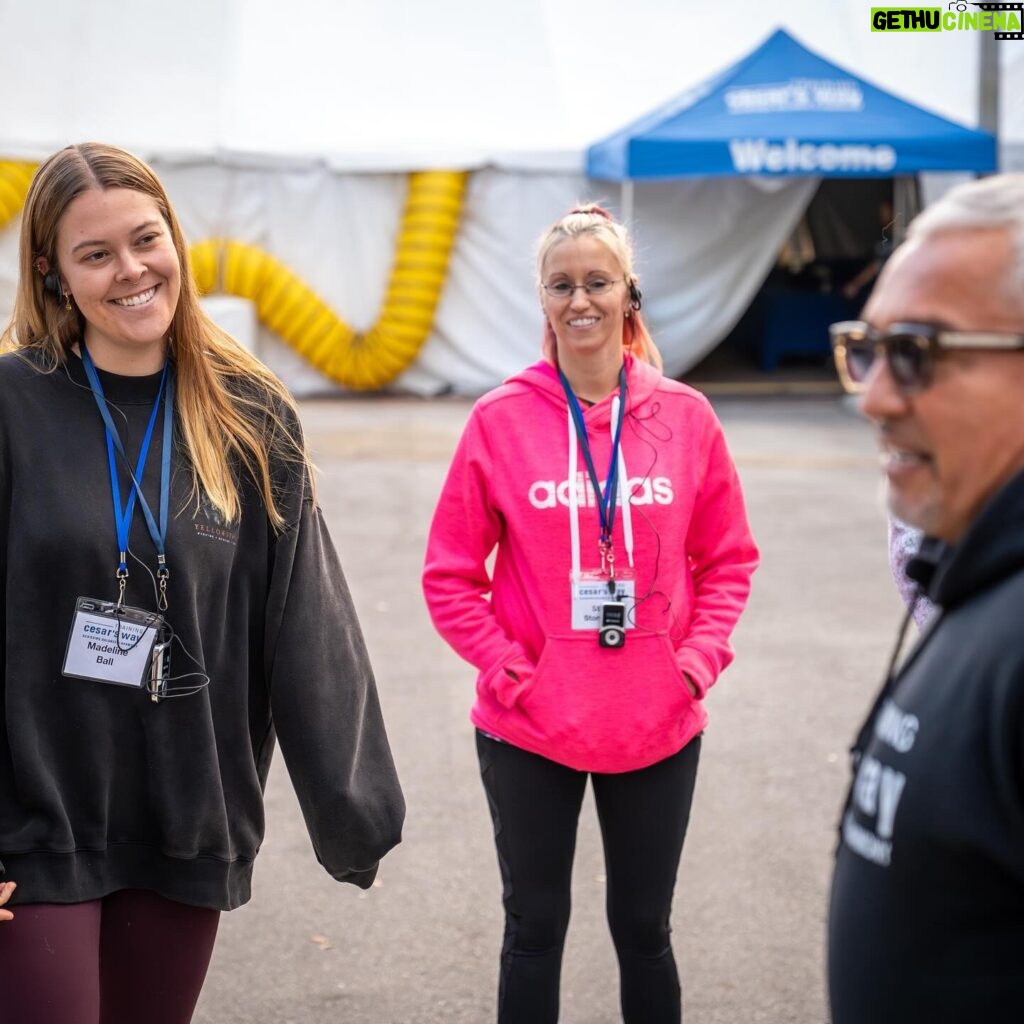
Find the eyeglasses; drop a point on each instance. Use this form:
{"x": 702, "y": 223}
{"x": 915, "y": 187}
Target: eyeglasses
{"x": 595, "y": 286}
{"x": 910, "y": 350}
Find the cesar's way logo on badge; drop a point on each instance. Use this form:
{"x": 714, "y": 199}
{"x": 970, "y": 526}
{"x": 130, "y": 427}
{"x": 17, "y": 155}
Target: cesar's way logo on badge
{"x": 958, "y": 16}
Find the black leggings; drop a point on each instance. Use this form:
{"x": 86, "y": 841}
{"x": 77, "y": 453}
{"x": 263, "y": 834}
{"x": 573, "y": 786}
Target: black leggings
{"x": 130, "y": 957}
{"x": 535, "y": 805}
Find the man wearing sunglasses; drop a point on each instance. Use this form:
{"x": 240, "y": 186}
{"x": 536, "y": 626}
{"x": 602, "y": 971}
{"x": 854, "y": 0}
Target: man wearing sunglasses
{"x": 926, "y": 921}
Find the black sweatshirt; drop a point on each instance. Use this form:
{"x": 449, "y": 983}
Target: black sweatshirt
{"x": 927, "y": 914}
{"x": 100, "y": 788}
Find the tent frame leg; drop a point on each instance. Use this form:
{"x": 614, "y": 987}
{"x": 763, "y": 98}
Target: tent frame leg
{"x": 626, "y": 203}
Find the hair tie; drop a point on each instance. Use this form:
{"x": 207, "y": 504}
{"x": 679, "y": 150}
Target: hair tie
{"x": 593, "y": 208}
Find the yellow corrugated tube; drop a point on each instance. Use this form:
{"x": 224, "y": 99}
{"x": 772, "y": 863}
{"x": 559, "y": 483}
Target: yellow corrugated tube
{"x": 285, "y": 304}
{"x": 14, "y": 181}
{"x": 362, "y": 361}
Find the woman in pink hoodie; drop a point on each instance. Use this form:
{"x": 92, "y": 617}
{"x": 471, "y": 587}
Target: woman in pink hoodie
{"x": 623, "y": 561}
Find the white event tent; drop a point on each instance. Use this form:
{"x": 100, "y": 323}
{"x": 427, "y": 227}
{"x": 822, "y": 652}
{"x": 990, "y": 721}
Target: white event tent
{"x": 293, "y": 127}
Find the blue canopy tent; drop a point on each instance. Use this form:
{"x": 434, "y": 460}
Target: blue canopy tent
{"x": 784, "y": 110}
{"x": 781, "y": 113}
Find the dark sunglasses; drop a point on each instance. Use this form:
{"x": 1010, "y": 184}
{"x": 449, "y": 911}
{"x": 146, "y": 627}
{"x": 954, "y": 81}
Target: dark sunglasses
{"x": 910, "y": 350}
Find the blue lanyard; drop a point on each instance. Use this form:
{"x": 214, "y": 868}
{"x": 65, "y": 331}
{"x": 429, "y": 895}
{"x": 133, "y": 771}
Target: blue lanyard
{"x": 605, "y": 499}
{"x": 123, "y": 518}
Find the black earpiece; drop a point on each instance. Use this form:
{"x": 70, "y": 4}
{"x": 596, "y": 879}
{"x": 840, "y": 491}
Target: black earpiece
{"x": 51, "y": 285}
{"x": 635, "y": 295}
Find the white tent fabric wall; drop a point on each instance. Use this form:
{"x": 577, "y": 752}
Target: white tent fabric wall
{"x": 302, "y": 147}
{"x": 335, "y": 231}
{"x": 703, "y": 249}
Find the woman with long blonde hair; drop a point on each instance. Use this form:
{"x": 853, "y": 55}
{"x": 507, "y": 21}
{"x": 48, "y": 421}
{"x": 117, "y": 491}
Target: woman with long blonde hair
{"x": 174, "y": 605}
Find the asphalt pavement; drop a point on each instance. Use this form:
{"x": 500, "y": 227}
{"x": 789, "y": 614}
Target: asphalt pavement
{"x": 421, "y": 946}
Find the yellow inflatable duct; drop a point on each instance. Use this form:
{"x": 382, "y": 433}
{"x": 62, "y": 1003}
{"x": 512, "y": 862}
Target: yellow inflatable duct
{"x": 14, "y": 181}
{"x": 285, "y": 304}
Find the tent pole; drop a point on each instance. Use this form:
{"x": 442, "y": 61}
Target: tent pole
{"x": 626, "y": 203}
{"x": 988, "y": 84}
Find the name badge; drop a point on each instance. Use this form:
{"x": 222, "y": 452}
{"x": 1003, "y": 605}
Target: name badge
{"x": 108, "y": 644}
{"x": 591, "y": 591}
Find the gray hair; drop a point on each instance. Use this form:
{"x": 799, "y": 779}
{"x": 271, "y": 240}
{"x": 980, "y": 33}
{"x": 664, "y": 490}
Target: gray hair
{"x": 995, "y": 202}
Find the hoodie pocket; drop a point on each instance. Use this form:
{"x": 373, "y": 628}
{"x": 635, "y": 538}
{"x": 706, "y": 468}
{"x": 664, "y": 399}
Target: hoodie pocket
{"x": 585, "y": 698}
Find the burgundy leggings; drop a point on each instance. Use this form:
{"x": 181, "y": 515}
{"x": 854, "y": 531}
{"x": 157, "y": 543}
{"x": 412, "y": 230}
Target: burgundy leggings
{"x": 130, "y": 957}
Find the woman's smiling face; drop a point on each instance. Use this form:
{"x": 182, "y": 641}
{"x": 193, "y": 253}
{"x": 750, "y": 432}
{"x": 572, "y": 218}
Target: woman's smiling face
{"x": 118, "y": 262}
{"x": 584, "y": 324}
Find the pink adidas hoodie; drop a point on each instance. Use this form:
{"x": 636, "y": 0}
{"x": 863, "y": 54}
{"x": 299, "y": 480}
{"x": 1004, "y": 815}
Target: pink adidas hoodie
{"x": 543, "y": 686}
